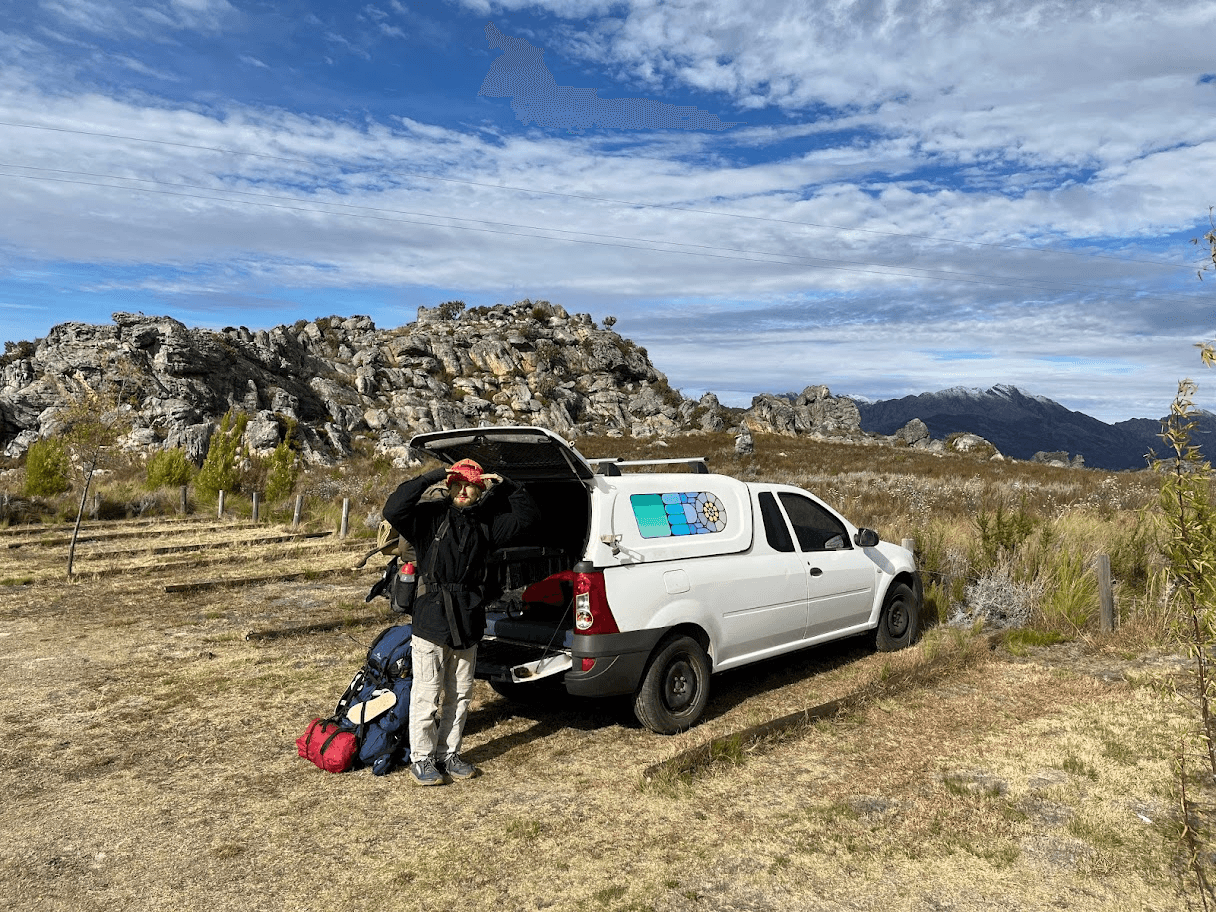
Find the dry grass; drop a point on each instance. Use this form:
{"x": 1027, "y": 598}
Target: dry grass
{"x": 150, "y": 764}
{"x": 150, "y": 759}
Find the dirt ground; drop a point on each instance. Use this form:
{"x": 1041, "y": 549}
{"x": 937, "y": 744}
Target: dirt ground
{"x": 149, "y": 763}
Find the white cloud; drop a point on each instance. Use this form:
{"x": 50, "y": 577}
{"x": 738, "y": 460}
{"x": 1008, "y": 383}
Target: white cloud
{"x": 1034, "y": 82}
{"x": 875, "y": 245}
{"x": 147, "y": 19}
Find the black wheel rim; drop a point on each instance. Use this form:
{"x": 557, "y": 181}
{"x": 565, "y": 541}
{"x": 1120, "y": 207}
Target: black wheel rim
{"x": 897, "y": 618}
{"x": 680, "y": 685}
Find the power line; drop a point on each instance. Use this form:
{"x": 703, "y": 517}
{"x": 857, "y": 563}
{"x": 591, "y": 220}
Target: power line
{"x": 614, "y": 201}
{"x": 580, "y": 237}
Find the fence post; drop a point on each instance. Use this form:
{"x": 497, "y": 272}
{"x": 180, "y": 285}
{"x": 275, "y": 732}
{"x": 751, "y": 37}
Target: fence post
{"x": 220, "y": 512}
{"x": 256, "y": 498}
{"x": 1106, "y": 593}
{"x": 185, "y": 502}
{"x": 295, "y": 519}
{"x": 345, "y": 517}
{"x": 909, "y": 544}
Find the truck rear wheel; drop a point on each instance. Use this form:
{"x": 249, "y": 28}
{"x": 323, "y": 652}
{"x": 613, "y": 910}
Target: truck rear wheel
{"x": 675, "y": 687}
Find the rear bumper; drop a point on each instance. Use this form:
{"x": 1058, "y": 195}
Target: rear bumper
{"x": 620, "y": 662}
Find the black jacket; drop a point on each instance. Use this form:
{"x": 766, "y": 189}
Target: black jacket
{"x": 452, "y": 545}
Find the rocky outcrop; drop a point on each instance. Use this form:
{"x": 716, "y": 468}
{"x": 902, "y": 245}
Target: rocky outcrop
{"x": 336, "y": 379}
{"x": 814, "y": 411}
{"x": 339, "y": 382}
{"x": 914, "y": 434}
{"x": 1059, "y": 459}
{"x": 972, "y": 444}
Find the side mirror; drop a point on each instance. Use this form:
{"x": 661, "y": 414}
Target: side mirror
{"x": 865, "y": 538}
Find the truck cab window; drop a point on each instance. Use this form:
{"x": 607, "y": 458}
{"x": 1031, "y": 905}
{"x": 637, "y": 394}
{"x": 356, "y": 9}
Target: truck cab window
{"x": 775, "y": 529}
{"x": 816, "y": 528}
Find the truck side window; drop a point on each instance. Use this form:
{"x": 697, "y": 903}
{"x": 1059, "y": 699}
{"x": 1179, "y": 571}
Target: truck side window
{"x": 774, "y": 524}
{"x": 815, "y": 527}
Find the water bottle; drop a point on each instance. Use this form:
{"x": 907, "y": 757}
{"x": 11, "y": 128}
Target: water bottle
{"x": 404, "y": 588}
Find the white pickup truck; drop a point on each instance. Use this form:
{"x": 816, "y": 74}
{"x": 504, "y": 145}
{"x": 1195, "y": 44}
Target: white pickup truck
{"x": 644, "y": 583}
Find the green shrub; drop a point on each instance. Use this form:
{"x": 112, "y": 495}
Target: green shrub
{"x": 1002, "y": 534}
{"x": 281, "y": 472}
{"x": 168, "y": 469}
{"x": 219, "y": 471}
{"x": 46, "y": 468}
{"x": 1072, "y": 596}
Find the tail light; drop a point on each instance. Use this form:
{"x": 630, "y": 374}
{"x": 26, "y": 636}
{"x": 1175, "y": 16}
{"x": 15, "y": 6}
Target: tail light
{"x": 591, "y": 612}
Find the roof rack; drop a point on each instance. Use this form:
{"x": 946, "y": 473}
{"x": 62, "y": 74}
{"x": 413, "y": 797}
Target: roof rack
{"x": 613, "y": 465}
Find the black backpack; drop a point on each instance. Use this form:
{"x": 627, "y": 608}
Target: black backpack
{"x": 398, "y": 585}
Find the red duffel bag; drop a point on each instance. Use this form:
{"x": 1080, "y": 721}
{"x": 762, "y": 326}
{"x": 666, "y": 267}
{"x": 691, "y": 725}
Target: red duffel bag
{"x": 328, "y": 745}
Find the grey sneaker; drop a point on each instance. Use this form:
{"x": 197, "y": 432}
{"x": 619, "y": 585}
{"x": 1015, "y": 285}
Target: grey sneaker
{"x": 457, "y": 767}
{"x": 424, "y": 772}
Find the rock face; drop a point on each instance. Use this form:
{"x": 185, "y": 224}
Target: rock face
{"x": 813, "y": 411}
{"x": 1059, "y": 459}
{"x": 339, "y": 378}
{"x": 914, "y": 434}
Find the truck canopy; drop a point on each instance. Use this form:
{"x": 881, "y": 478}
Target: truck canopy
{"x": 522, "y": 453}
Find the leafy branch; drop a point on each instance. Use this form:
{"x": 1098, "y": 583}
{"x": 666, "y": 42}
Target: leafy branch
{"x": 1190, "y": 546}
{"x": 1210, "y": 240}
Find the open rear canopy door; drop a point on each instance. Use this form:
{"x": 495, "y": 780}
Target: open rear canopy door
{"x": 522, "y": 453}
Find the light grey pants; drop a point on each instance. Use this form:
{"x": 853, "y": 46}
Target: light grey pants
{"x": 439, "y": 671}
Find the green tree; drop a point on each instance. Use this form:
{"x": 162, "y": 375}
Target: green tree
{"x": 282, "y": 471}
{"x": 168, "y": 469}
{"x": 1190, "y": 546}
{"x": 92, "y": 425}
{"x": 1190, "y": 550}
{"x": 46, "y": 468}
{"x": 219, "y": 471}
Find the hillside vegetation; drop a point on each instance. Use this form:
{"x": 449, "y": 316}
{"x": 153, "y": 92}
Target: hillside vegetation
{"x": 987, "y": 532}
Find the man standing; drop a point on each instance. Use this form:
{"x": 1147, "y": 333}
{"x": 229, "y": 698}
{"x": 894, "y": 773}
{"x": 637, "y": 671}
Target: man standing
{"x": 453, "y": 537}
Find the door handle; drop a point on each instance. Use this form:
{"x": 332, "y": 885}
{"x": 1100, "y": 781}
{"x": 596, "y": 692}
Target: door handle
{"x": 816, "y": 571}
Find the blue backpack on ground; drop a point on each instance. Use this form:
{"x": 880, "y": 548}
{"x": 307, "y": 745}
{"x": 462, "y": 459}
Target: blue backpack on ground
{"x": 376, "y": 705}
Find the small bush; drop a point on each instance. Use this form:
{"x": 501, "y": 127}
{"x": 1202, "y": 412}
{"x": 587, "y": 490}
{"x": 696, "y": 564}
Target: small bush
{"x": 168, "y": 469}
{"x": 1071, "y": 597}
{"x": 282, "y": 471}
{"x": 999, "y": 600}
{"x": 46, "y": 468}
{"x": 1002, "y": 534}
{"x": 219, "y": 471}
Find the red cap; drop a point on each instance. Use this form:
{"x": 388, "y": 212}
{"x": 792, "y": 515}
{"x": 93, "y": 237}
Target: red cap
{"x": 466, "y": 470}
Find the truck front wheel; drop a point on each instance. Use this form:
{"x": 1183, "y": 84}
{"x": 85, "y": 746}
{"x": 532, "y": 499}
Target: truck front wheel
{"x": 899, "y": 624}
{"x": 675, "y": 687}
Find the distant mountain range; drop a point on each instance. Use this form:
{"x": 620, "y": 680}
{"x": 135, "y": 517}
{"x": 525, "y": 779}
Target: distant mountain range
{"x": 1020, "y": 425}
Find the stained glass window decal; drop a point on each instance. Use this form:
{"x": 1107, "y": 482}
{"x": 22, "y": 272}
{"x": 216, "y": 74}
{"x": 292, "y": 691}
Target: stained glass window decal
{"x": 687, "y": 513}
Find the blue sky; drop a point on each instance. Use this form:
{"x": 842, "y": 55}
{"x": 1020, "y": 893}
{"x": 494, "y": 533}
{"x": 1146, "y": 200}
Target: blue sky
{"x": 882, "y": 196}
